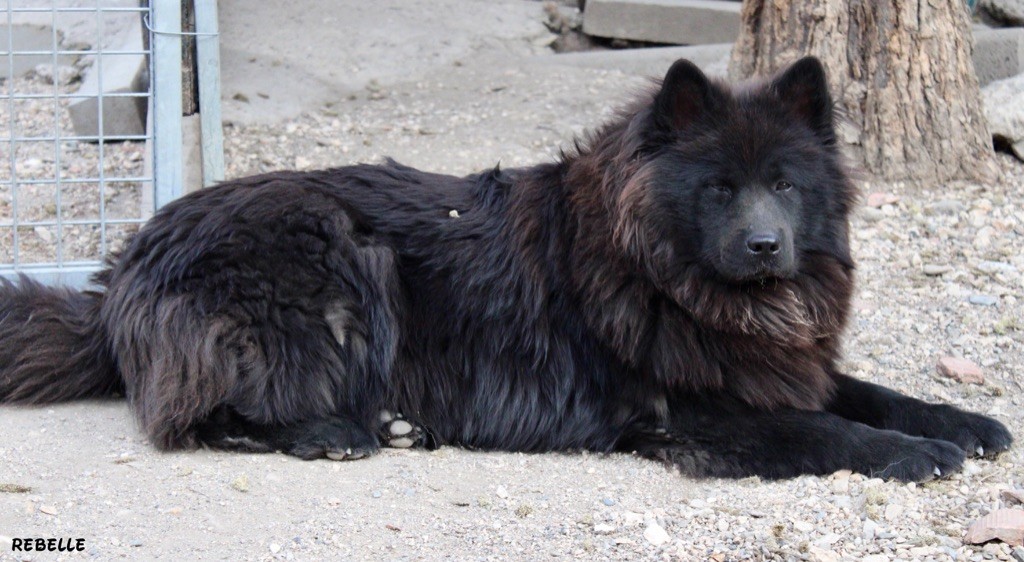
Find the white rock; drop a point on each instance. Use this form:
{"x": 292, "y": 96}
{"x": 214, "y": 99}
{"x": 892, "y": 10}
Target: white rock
{"x": 1004, "y": 109}
{"x": 604, "y": 529}
{"x": 822, "y": 555}
{"x": 803, "y": 526}
{"x": 893, "y": 512}
{"x": 655, "y": 534}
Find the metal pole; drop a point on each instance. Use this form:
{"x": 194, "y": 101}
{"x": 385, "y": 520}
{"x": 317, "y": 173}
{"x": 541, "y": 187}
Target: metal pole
{"x": 208, "y": 63}
{"x": 165, "y": 73}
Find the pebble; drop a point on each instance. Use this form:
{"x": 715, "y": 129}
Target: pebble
{"x": 655, "y": 534}
{"x": 501, "y": 492}
{"x": 876, "y": 558}
{"x": 803, "y": 526}
{"x": 983, "y": 300}
{"x": 1018, "y": 553}
{"x": 604, "y": 529}
{"x": 993, "y": 267}
{"x": 608, "y": 501}
{"x": 893, "y": 512}
{"x": 877, "y": 200}
{"x": 241, "y": 483}
{"x": 275, "y": 548}
{"x": 376, "y": 493}
{"x": 960, "y": 370}
{"x": 945, "y": 207}
{"x": 934, "y": 270}
{"x": 870, "y": 529}
{"x": 818, "y": 554}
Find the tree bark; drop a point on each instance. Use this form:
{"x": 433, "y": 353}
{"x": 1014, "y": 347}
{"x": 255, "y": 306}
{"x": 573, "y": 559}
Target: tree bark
{"x": 901, "y": 73}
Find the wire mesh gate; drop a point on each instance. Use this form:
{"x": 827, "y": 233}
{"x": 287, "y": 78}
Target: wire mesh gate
{"x": 90, "y": 128}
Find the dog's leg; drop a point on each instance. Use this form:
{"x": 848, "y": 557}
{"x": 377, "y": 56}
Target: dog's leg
{"x": 334, "y": 437}
{"x": 286, "y": 319}
{"x": 703, "y": 441}
{"x": 884, "y": 408}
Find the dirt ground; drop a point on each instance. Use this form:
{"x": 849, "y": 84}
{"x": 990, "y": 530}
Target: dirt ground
{"x": 454, "y": 86}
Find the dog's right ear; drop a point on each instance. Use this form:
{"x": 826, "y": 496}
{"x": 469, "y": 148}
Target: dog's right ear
{"x": 685, "y": 97}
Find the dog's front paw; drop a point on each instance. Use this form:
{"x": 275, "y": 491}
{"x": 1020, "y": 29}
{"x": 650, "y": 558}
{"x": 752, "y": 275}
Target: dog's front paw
{"x": 976, "y": 434}
{"x": 892, "y": 455}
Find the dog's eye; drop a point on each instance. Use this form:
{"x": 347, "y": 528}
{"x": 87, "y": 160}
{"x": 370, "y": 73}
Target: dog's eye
{"x": 719, "y": 187}
{"x": 783, "y": 186}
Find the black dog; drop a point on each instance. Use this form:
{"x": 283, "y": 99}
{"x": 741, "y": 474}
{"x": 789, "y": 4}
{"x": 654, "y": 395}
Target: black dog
{"x": 677, "y": 286}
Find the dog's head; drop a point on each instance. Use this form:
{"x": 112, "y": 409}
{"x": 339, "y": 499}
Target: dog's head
{"x": 735, "y": 200}
{"x": 742, "y": 183}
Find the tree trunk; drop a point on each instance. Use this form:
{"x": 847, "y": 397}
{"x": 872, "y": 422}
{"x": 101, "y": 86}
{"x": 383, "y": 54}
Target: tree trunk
{"x": 901, "y": 73}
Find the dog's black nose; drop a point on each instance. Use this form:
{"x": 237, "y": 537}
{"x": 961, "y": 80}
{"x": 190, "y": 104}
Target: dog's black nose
{"x": 763, "y": 244}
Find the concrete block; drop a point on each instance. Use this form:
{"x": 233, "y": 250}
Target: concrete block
{"x": 679, "y": 22}
{"x": 122, "y": 116}
{"x": 27, "y": 38}
{"x": 998, "y": 53}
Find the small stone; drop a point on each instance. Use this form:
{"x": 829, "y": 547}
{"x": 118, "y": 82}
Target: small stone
{"x": 841, "y": 481}
{"x": 376, "y": 493}
{"x": 870, "y": 529}
{"x": 983, "y": 300}
{"x": 241, "y": 483}
{"x": 803, "y": 526}
{"x": 893, "y": 512}
{"x": 877, "y": 200}
{"x": 48, "y": 509}
{"x": 934, "y": 270}
{"x": 275, "y": 548}
{"x": 655, "y": 534}
{"x": 876, "y": 558}
{"x": 722, "y": 525}
{"x": 501, "y": 492}
{"x": 1018, "y": 553}
{"x": 524, "y": 510}
{"x": 1013, "y": 496}
{"x": 994, "y": 267}
{"x": 945, "y": 207}
{"x": 960, "y": 370}
{"x": 870, "y": 214}
{"x": 608, "y": 501}
{"x": 604, "y": 529}
{"x": 1006, "y": 525}
{"x": 822, "y": 555}
{"x": 136, "y": 543}
{"x": 453, "y": 214}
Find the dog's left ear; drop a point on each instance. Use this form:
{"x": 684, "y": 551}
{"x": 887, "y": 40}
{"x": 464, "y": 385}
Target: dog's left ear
{"x": 804, "y": 88}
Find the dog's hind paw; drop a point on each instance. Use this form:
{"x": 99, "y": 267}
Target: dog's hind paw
{"x": 400, "y": 433}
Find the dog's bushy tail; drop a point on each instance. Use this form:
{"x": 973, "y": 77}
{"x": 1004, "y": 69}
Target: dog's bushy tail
{"x": 52, "y": 345}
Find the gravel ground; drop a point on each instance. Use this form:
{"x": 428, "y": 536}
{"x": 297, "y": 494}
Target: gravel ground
{"x": 922, "y": 260}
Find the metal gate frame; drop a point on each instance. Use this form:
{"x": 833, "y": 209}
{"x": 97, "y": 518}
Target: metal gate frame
{"x": 164, "y": 133}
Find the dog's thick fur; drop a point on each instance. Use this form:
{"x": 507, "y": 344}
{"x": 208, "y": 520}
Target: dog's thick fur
{"x": 591, "y": 303}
